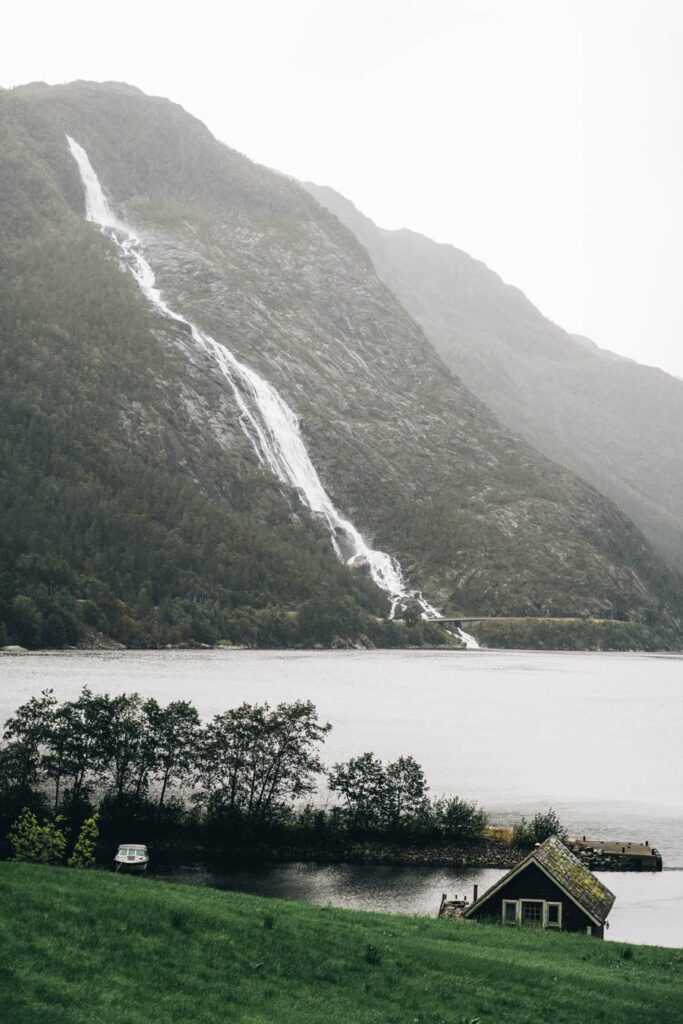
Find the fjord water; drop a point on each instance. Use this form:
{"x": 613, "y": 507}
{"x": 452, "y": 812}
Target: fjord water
{"x": 267, "y": 421}
{"x": 598, "y": 736}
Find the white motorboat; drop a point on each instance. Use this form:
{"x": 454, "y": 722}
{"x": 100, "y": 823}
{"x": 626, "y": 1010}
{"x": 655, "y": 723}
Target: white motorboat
{"x": 131, "y": 857}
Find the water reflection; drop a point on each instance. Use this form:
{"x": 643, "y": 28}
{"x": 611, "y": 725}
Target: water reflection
{"x": 648, "y": 908}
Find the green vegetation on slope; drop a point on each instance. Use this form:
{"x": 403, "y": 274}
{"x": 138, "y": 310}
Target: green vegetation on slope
{"x": 86, "y": 947}
{"x": 132, "y": 503}
{"x": 615, "y": 422}
{"x": 119, "y": 513}
{"x": 574, "y": 635}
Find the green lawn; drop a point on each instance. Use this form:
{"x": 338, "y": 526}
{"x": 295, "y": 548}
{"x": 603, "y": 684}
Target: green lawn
{"x": 95, "y": 947}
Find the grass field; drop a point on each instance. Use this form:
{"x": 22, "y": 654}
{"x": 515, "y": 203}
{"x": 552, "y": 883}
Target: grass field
{"x": 84, "y": 947}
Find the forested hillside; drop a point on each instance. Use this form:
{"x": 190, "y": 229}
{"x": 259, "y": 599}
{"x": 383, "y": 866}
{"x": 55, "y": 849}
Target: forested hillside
{"x": 133, "y": 504}
{"x": 104, "y": 525}
{"x": 615, "y": 422}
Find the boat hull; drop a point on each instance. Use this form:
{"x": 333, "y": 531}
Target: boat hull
{"x": 130, "y": 867}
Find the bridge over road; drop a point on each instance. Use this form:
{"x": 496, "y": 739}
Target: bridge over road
{"x": 475, "y": 620}
{"x": 472, "y": 620}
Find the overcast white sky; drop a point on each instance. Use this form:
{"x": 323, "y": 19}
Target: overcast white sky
{"x": 544, "y": 137}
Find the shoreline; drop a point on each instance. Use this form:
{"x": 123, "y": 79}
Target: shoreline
{"x": 480, "y": 854}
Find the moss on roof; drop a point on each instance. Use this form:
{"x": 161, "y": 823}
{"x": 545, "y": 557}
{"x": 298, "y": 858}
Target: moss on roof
{"x": 567, "y": 871}
{"x": 573, "y": 876}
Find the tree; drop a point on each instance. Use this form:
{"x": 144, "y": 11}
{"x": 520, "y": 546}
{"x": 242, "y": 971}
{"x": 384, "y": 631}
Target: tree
{"x": 36, "y": 843}
{"x": 28, "y": 731}
{"x": 16, "y": 789}
{"x": 81, "y": 726}
{"x": 26, "y": 622}
{"x": 173, "y": 740}
{"x": 83, "y": 855}
{"x": 323, "y": 618}
{"x": 404, "y": 792}
{"x": 540, "y": 828}
{"x": 459, "y": 819}
{"x": 54, "y": 631}
{"x": 412, "y": 614}
{"x": 360, "y": 784}
{"x": 122, "y": 742}
{"x": 253, "y": 758}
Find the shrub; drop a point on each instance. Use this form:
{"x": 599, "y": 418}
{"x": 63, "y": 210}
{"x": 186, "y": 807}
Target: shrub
{"x": 36, "y": 843}
{"x": 83, "y": 855}
{"x": 540, "y": 828}
{"x": 459, "y": 819}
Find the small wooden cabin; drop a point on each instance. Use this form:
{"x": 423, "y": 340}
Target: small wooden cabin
{"x": 549, "y": 888}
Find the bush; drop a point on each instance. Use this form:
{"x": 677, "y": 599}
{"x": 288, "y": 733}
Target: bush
{"x": 36, "y": 843}
{"x": 540, "y": 828}
{"x": 83, "y": 855}
{"x": 459, "y": 819}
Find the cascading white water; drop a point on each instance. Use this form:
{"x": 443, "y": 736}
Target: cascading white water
{"x": 266, "y": 419}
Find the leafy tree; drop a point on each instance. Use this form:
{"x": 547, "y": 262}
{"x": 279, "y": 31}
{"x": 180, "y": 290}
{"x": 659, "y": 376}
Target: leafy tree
{"x": 404, "y": 792}
{"x": 79, "y": 729}
{"x": 54, "y": 631}
{"x": 16, "y": 789}
{"x": 36, "y": 843}
{"x": 540, "y": 828}
{"x": 459, "y": 819}
{"x": 323, "y": 618}
{"x": 28, "y": 731}
{"x": 254, "y": 758}
{"x": 412, "y": 614}
{"x": 83, "y": 855}
{"x": 360, "y": 784}
{"x": 26, "y": 622}
{"x": 173, "y": 737}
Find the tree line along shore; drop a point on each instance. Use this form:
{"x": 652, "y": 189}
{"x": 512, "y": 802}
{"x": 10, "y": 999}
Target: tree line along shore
{"x": 241, "y": 784}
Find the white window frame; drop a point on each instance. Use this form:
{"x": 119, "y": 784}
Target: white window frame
{"x": 541, "y": 920}
{"x": 517, "y": 905}
{"x": 544, "y": 922}
{"x": 548, "y": 923}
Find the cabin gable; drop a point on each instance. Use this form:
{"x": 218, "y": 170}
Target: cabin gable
{"x": 553, "y": 908}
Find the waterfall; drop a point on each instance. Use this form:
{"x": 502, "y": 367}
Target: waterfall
{"x": 267, "y": 421}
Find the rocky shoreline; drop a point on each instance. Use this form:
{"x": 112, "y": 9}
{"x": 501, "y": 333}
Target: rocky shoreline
{"x": 485, "y": 853}
{"x": 482, "y": 854}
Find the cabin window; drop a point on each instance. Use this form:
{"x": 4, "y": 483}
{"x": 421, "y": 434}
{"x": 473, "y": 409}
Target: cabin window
{"x": 509, "y": 911}
{"x": 532, "y": 911}
{"x": 553, "y": 915}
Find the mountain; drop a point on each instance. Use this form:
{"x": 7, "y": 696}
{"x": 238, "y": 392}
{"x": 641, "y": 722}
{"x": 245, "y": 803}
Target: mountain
{"x": 144, "y": 494}
{"x": 616, "y": 423}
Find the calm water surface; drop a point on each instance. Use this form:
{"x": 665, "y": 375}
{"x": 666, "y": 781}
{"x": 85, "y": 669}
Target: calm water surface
{"x": 596, "y": 735}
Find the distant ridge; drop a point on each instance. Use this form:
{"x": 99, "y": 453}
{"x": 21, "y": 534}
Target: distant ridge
{"x": 617, "y": 423}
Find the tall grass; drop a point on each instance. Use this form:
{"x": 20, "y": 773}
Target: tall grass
{"x": 95, "y": 948}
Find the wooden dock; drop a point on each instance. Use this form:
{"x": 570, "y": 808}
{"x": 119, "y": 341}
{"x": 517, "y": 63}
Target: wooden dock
{"x": 609, "y": 855}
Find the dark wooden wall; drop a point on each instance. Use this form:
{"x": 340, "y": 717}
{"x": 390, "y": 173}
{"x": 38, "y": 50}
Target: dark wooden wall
{"x": 533, "y": 884}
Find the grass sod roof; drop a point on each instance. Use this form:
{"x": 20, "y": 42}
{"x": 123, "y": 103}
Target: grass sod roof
{"x": 568, "y": 873}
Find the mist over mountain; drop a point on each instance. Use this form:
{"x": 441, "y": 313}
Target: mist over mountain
{"x": 615, "y": 422}
{"x": 133, "y": 500}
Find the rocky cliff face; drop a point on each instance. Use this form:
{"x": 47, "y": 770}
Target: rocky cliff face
{"x": 614, "y": 422}
{"x": 479, "y": 519}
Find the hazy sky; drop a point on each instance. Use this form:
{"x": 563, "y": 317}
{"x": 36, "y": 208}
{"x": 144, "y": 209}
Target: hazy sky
{"x": 544, "y": 137}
